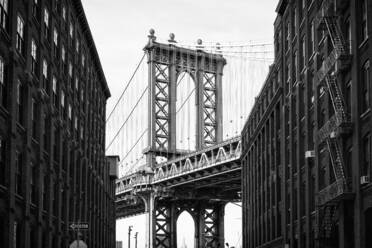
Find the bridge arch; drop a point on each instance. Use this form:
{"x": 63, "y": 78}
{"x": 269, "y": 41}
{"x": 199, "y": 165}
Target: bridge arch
{"x": 233, "y": 224}
{"x": 186, "y": 111}
{"x": 186, "y": 230}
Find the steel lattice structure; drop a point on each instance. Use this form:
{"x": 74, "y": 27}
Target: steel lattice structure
{"x": 199, "y": 182}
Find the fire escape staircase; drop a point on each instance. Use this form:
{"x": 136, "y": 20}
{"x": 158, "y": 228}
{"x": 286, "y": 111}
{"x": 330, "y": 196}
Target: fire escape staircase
{"x": 328, "y": 217}
{"x": 340, "y": 123}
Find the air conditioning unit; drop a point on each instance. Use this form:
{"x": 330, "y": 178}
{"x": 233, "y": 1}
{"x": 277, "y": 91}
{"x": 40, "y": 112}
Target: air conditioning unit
{"x": 364, "y": 180}
{"x": 310, "y": 154}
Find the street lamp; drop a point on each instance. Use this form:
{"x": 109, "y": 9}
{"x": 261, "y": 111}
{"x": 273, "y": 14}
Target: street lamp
{"x": 135, "y": 239}
{"x": 129, "y": 231}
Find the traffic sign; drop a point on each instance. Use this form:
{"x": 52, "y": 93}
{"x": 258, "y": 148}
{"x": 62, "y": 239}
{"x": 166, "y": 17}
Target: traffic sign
{"x": 79, "y": 226}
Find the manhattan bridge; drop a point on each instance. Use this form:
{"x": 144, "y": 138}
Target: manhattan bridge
{"x": 176, "y": 128}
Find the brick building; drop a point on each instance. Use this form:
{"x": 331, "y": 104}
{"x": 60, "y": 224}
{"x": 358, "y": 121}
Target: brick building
{"x": 53, "y": 93}
{"x": 307, "y": 142}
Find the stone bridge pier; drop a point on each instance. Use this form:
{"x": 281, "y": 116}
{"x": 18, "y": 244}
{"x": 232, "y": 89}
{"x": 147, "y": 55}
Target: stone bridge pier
{"x": 163, "y": 212}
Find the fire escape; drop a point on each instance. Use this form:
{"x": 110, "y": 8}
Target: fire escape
{"x": 329, "y": 197}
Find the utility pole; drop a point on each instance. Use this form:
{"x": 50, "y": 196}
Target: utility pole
{"x": 135, "y": 239}
{"x": 129, "y": 231}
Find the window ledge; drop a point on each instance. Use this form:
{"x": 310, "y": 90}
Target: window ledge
{"x": 4, "y": 111}
{"x": 312, "y": 56}
{"x": 3, "y": 187}
{"x": 5, "y": 34}
{"x": 20, "y": 127}
{"x": 364, "y": 42}
{"x": 365, "y": 113}
{"x": 322, "y": 41}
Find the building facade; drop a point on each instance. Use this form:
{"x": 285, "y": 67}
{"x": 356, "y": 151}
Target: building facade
{"x": 53, "y": 169}
{"x": 306, "y": 160}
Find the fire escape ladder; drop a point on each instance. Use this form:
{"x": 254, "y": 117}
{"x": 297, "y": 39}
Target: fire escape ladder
{"x": 336, "y": 159}
{"x": 336, "y": 36}
{"x": 328, "y": 219}
{"x": 337, "y": 99}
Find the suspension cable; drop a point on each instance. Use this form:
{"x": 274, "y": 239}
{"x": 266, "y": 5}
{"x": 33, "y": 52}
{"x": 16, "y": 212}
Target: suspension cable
{"x": 133, "y": 146}
{"x": 126, "y": 87}
{"x": 187, "y": 98}
{"x": 130, "y": 114}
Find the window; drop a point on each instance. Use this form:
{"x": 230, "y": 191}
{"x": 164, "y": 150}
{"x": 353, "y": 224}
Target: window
{"x": 63, "y": 54}
{"x": 348, "y": 35}
{"x": 33, "y": 117}
{"x": 55, "y": 41}
{"x": 20, "y": 35}
{"x": 46, "y": 23}
{"x": 33, "y": 183}
{"x": 303, "y": 51}
{"x": 46, "y": 132}
{"x": 295, "y": 65}
{"x": 56, "y": 4}
{"x": 77, "y": 45}
{"x": 288, "y": 36}
{"x": 45, "y": 191}
{"x": 287, "y": 78}
{"x": 295, "y": 19}
{"x": 348, "y": 97}
{"x": 364, "y": 7}
{"x": 17, "y": 234}
{"x": 55, "y": 100}
{"x": 312, "y": 38}
{"x": 19, "y": 101}
{"x": 3, "y": 13}
{"x": 69, "y": 112}
{"x": 64, "y": 13}
{"x": 55, "y": 145}
{"x": 2, "y": 161}
{"x": 366, "y": 156}
{"x": 76, "y": 123}
{"x": 70, "y": 69}
{"x": 82, "y": 93}
{"x": 81, "y": 132}
{"x": 322, "y": 116}
{"x": 35, "y": 8}
{"x": 365, "y": 87}
{"x": 45, "y": 74}
{"x": 71, "y": 30}
{"x": 18, "y": 173}
{"x": 77, "y": 83}
{"x": 2, "y": 82}
{"x": 55, "y": 203}
{"x": 33, "y": 56}
{"x": 82, "y": 60}
{"x": 62, "y": 99}
{"x": 76, "y": 127}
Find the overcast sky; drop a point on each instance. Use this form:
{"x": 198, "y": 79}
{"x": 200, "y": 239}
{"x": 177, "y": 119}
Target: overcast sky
{"x": 120, "y": 29}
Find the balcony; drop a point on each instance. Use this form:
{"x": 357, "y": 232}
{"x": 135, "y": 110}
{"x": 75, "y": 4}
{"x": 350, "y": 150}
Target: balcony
{"x": 338, "y": 123}
{"x": 334, "y": 192}
{"x": 323, "y": 11}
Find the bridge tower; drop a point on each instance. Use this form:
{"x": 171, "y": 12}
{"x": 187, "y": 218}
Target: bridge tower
{"x": 165, "y": 63}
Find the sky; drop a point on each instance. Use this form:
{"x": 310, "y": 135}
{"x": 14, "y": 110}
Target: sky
{"x": 120, "y": 29}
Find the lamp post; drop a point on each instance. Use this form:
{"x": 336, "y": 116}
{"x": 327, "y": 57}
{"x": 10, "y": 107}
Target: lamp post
{"x": 129, "y": 231}
{"x": 135, "y": 239}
